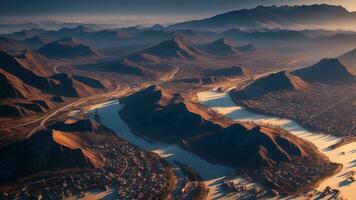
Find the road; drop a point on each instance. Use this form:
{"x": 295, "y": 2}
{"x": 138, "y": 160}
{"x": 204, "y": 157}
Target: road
{"x": 55, "y": 69}
{"x": 76, "y": 103}
{"x": 171, "y": 75}
{"x": 114, "y": 93}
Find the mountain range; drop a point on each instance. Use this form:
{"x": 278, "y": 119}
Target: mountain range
{"x": 326, "y": 71}
{"x": 273, "y": 17}
{"x": 26, "y": 91}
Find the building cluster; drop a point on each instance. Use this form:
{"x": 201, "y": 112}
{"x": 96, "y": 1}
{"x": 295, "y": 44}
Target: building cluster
{"x": 240, "y": 187}
{"x": 131, "y": 172}
{"x": 330, "y": 109}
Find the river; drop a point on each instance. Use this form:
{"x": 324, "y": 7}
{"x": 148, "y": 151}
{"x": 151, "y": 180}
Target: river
{"x": 212, "y": 174}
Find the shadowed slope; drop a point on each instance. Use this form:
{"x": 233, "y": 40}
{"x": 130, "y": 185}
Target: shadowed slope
{"x": 66, "y": 48}
{"x": 274, "y": 82}
{"x": 326, "y": 71}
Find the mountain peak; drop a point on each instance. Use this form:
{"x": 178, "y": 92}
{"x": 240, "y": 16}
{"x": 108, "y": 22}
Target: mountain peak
{"x": 67, "y": 47}
{"x": 221, "y": 47}
{"x": 325, "y": 71}
{"x": 83, "y": 28}
{"x": 177, "y": 47}
{"x": 157, "y": 27}
{"x": 274, "y": 82}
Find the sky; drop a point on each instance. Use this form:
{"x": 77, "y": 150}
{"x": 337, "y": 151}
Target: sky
{"x": 134, "y": 11}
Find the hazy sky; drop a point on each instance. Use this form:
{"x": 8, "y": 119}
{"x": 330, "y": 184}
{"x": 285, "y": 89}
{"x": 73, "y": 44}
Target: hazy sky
{"x": 178, "y": 10}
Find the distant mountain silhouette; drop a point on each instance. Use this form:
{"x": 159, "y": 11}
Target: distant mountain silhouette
{"x": 178, "y": 47}
{"x": 26, "y": 34}
{"x": 34, "y": 42}
{"x": 221, "y": 47}
{"x": 326, "y": 71}
{"x": 225, "y": 47}
{"x": 66, "y": 48}
{"x": 260, "y": 35}
{"x": 157, "y": 27}
{"x": 271, "y": 17}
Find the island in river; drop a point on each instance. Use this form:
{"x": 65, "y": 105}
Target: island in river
{"x": 272, "y": 156}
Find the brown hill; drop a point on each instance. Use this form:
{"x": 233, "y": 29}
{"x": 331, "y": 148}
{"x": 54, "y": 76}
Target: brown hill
{"x": 272, "y": 83}
{"x": 35, "y": 62}
{"x": 169, "y": 113}
{"x": 66, "y": 48}
{"x": 9, "y": 85}
{"x": 62, "y": 147}
{"x": 10, "y": 65}
{"x": 178, "y": 48}
{"x": 23, "y": 87}
{"x": 94, "y": 83}
{"x": 44, "y": 151}
{"x": 326, "y": 71}
{"x": 59, "y": 84}
{"x": 164, "y": 115}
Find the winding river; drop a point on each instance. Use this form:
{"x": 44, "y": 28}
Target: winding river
{"x": 213, "y": 174}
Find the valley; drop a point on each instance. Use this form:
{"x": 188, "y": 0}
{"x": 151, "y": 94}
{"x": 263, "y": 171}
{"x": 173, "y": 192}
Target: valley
{"x": 256, "y": 103}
